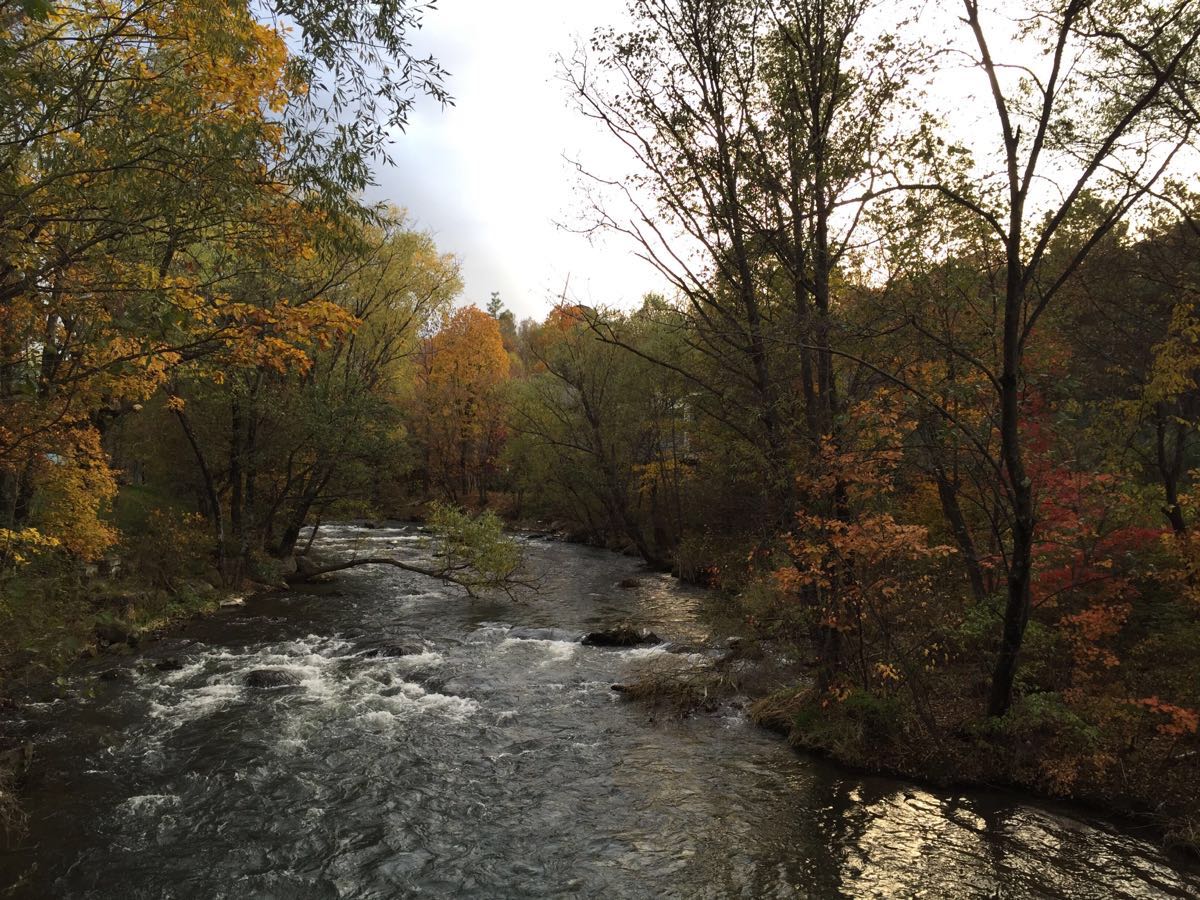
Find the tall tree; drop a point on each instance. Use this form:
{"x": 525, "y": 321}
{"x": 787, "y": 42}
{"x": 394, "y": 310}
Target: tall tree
{"x": 460, "y": 402}
{"x": 1103, "y": 120}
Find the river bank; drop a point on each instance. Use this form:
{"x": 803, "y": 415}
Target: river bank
{"x": 773, "y": 682}
{"x": 1045, "y": 754}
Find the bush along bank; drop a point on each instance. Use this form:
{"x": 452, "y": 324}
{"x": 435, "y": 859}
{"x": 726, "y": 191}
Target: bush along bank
{"x": 55, "y": 610}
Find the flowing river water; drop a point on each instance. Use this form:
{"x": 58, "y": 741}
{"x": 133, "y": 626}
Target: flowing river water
{"x": 491, "y": 759}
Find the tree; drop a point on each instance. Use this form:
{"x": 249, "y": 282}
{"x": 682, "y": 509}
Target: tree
{"x": 267, "y": 447}
{"x": 596, "y": 424}
{"x": 173, "y": 191}
{"x": 1132, "y": 321}
{"x": 1106, "y": 155}
{"x": 134, "y": 153}
{"x": 361, "y": 78}
{"x": 460, "y": 403}
{"x": 757, "y": 127}
{"x": 334, "y": 433}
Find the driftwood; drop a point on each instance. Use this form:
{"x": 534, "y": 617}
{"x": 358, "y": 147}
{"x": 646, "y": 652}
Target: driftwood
{"x": 307, "y": 571}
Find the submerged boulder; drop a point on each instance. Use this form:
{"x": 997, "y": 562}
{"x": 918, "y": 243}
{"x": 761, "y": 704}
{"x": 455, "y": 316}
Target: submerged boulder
{"x": 621, "y": 636}
{"x": 392, "y": 649}
{"x": 270, "y": 678}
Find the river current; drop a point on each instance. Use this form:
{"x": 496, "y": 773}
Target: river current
{"x": 491, "y": 759}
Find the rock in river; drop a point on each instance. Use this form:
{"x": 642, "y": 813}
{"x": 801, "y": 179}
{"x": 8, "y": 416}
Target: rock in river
{"x": 270, "y": 678}
{"x": 621, "y": 636}
{"x": 391, "y": 649}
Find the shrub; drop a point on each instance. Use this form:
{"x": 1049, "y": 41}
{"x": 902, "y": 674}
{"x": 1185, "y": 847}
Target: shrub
{"x": 171, "y": 546}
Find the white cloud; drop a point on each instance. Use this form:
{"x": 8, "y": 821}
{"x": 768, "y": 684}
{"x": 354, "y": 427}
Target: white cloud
{"x": 488, "y": 177}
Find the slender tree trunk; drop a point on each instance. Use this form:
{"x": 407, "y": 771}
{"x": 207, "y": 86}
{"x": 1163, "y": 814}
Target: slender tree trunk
{"x": 22, "y": 501}
{"x": 952, "y": 510}
{"x": 1017, "y": 605}
{"x": 8, "y": 498}
{"x": 311, "y": 537}
{"x": 211, "y": 494}
{"x": 250, "y": 460}
{"x": 22, "y": 496}
{"x": 237, "y": 479}
{"x": 295, "y": 523}
{"x": 1170, "y": 467}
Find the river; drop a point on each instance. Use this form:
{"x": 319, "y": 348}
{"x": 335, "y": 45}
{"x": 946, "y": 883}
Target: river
{"x": 491, "y": 760}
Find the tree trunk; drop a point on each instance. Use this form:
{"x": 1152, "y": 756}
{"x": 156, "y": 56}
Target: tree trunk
{"x": 1170, "y": 468}
{"x": 211, "y": 495}
{"x": 237, "y": 480}
{"x": 1017, "y": 606}
{"x": 295, "y": 523}
{"x": 952, "y": 510}
{"x": 1016, "y": 609}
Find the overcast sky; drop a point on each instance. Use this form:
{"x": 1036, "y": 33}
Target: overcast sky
{"x": 487, "y": 176}
{"x": 490, "y": 176}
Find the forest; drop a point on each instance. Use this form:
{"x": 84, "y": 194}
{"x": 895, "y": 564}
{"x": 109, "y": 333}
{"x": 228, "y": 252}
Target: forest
{"x": 920, "y": 403}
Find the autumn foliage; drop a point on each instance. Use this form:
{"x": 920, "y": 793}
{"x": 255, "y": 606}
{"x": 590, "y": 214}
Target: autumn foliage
{"x": 148, "y": 169}
{"x": 460, "y": 414}
{"x": 200, "y": 321}
{"x": 924, "y": 415}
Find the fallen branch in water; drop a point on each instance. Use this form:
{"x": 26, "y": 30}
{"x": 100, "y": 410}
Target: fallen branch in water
{"x": 473, "y": 551}
{"x": 307, "y": 571}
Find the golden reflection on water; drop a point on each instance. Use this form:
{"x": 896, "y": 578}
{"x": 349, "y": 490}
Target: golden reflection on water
{"x": 910, "y": 843}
